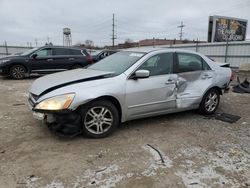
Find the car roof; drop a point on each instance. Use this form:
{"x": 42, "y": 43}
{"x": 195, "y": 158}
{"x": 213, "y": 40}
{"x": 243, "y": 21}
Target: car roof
{"x": 64, "y": 47}
{"x": 150, "y": 49}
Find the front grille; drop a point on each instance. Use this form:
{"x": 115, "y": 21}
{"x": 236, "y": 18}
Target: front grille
{"x": 32, "y": 99}
{"x": 31, "y": 102}
{"x": 36, "y": 97}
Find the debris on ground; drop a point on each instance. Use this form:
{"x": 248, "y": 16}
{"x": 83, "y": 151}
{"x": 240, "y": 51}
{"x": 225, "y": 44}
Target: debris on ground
{"x": 242, "y": 87}
{"x": 229, "y": 118}
{"x": 19, "y": 104}
{"x": 161, "y": 157}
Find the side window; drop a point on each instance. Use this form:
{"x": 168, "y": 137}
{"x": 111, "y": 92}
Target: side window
{"x": 159, "y": 64}
{"x": 60, "y": 51}
{"x": 75, "y": 52}
{"x": 205, "y": 65}
{"x": 44, "y": 52}
{"x": 189, "y": 62}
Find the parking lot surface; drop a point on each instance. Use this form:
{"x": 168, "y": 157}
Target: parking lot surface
{"x": 176, "y": 150}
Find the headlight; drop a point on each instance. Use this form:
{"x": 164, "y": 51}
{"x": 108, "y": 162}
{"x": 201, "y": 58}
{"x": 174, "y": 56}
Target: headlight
{"x": 59, "y": 102}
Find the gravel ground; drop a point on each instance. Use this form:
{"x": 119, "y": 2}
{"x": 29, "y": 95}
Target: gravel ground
{"x": 195, "y": 151}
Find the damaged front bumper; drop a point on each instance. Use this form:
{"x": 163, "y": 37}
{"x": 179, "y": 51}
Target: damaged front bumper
{"x": 66, "y": 123}
{"x": 62, "y": 122}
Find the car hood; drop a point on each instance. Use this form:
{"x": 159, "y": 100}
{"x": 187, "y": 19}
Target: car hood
{"x": 48, "y": 83}
{"x": 11, "y": 57}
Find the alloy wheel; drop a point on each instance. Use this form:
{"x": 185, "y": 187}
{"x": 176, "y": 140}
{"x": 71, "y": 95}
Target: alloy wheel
{"x": 211, "y": 102}
{"x": 17, "y": 72}
{"x": 98, "y": 120}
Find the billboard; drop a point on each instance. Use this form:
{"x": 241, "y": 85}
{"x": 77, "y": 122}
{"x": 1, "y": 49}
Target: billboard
{"x": 221, "y": 29}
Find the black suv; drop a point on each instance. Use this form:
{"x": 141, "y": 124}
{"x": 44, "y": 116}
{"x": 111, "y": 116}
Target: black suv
{"x": 102, "y": 54}
{"x": 44, "y": 60}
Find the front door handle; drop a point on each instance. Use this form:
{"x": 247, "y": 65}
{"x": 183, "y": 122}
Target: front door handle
{"x": 71, "y": 59}
{"x": 49, "y": 59}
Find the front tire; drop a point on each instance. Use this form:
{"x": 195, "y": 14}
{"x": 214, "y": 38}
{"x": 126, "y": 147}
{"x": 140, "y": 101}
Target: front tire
{"x": 210, "y": 102}
{"x": 17, "y": 72}
{"x": 99, "y": 119}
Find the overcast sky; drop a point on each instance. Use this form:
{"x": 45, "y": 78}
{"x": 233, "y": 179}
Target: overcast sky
{"x": 23, "y": 21}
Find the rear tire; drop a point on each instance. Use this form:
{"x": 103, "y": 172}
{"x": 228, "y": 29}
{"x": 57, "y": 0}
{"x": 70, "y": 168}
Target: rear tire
{"x": 210, "y": 102}
{"x": 99, "y": 119}
{"x": 18, "y": 72}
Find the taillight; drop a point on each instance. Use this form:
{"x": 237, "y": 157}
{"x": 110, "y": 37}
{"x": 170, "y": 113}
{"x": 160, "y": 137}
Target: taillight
{"x": 89, "y": 59}
{"x": 232, "y": 76}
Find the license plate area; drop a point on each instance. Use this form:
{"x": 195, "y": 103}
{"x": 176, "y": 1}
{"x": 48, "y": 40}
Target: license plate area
{"x": 38, "y": 115}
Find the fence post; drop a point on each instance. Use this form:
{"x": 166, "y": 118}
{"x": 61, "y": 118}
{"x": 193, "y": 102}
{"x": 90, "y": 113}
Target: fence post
{"x": 226, "y": 51}
{"x": 196, "y": 46}
{"x": 6, "y": 48}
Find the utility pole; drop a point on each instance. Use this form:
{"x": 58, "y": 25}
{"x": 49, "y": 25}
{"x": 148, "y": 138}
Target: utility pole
{"x": 36, "y": 41}
{"x": 181, "y": 33}
{"x": 113, "y": 31}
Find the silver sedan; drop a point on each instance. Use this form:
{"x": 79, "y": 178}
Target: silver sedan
{"x": 128, "y": 85}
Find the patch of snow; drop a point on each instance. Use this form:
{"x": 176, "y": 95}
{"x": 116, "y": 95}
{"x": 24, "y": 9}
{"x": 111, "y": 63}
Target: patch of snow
{"x": 103, "y": 177}
{"x": 55, "y": 184}
{"x": 214, "y": 169}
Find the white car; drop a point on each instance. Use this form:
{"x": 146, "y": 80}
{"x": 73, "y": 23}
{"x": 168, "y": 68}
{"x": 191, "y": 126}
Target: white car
{"x": 128, "y": 85}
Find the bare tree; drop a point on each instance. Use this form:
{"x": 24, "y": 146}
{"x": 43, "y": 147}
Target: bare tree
{"x": 128, "y": 40}
{"x": 128, "y": 43}
{"x": 89, "y": 43}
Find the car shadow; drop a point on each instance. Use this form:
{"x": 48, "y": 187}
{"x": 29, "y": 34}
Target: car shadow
{"x": 158, "y": 119}
{"x": 31, "y": 77}
{"x": 137, "y": 125}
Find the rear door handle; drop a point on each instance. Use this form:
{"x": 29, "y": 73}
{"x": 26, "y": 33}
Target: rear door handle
{"x": 170, "y": 81}
{"x": 206, "y": 76}
{"x": 49, "y": 59}
{"x": 71, "y": 59}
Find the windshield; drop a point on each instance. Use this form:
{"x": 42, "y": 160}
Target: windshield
{"x": 29, "y": 51}
{"x": 94, "y": 52}
{"x": 117, "y": 63}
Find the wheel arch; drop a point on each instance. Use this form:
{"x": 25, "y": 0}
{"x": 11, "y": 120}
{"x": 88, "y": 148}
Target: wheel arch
{"x": 20, "y": 64}
{"x": 111, "y": 99}
{"x": 217, "y": 88}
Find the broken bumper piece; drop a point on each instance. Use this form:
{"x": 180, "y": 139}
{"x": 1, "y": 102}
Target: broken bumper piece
{"x": 39, "y": 116}
{"x": 63, "y": 123}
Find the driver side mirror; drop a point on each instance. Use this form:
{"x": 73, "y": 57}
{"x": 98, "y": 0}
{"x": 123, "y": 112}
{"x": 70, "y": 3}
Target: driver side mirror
{"x": 34, "y": 56}
{"x": 141, "y": 74}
